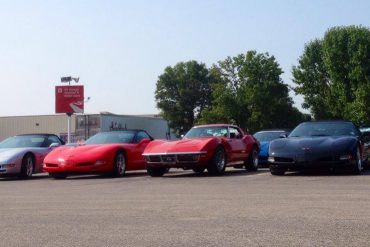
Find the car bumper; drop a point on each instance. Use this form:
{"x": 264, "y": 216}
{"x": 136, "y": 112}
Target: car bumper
{"x": 6, "y": 170}
{"x": 177, "y": 160}
{"x": 312, "y": 165}
{"x": 71, "y": 169}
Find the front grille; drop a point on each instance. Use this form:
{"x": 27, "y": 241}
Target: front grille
{"x": 168, "y": 158}
{"x": 328, "y": 159}
{"x": 85, "y": 164}
{"x": 187, "y": 157}
{"x": 287, "y": 160}
{"x": 51, "y": 165}
{"x": 154, "y": 158}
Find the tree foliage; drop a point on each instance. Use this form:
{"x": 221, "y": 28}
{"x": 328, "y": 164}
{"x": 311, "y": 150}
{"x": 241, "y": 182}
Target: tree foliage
{"x": 250, "y": 93}
{"x": 333, "y": 75}
{"x": 182, "y": 92}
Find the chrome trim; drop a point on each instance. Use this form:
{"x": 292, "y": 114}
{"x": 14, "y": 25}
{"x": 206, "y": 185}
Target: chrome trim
{"x": 176, "y": 160}
{"x": 175, "y": 153}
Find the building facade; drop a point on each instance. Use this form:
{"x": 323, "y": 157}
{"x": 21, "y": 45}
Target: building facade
{"x": 83, "y": 125}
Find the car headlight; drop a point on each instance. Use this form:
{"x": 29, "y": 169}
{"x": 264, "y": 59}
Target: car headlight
{"x": 100, "y": 162}
{"x": 8, "y": 165}
{"x": 271, "y": 159}
{"x": 345, "y": 157}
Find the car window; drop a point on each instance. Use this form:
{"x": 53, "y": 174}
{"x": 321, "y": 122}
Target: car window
{"x": 207, "y": 131}
{"x": 111, "y": 137}
{"x": 235, "y": 133}
{"x": 325, "y": 129}
{"x": 23, "y": 141}
{"x": 141, "y": 135}
{"x": 50, "y": 140}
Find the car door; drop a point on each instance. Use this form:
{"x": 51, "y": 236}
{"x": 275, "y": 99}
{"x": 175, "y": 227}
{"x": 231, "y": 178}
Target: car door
{"x": 141, "y": 140}
{"x": 236, "y": 142}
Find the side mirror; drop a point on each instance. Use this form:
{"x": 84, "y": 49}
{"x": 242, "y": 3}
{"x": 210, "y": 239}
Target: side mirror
{"x": 284, "y": 135}
{"x": 232, "y": 135}
{"x": 54, "y": 145}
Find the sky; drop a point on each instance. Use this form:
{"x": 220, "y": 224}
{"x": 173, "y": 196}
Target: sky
{"x": 119, "y": 48}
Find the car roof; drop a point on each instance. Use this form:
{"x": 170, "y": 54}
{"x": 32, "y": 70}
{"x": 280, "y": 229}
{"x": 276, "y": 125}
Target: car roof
{"x": 215, "y": 125}
{"x": 127, "y": 130}
{"x": 329, "y": 121}
{"x": 275, "y": 130}
{"x": 37, "y": 134}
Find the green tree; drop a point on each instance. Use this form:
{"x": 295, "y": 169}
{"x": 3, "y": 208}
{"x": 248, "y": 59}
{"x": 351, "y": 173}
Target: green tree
{"x": 182, "y": 92}
{"x": 250, "y": 93}
{"x": 333, "y": 75}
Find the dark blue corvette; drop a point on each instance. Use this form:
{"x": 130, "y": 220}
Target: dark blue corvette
{"x": 319, "y": 144}
{"x": 265, "y": 137}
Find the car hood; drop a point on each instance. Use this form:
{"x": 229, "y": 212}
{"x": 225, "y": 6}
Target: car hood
{"x": 70, "y": 152}
{"x": 184, "y": 145}
{"x": 8, "y": 153}
{"x": 313, "y": 144}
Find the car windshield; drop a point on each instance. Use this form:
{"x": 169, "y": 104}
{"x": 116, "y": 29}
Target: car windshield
{"x": 26, "y": 141}
{"x": 207, "y": 131}
{"x": 111, "y": 137}
{"x": 266, "y": 136}
{"x": 324, "y": 129}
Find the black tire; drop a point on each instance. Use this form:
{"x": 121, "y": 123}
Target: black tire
{"x": 27, "y": 167}
{"x": 252, "y": 162}
{"x": 156, "y": 171}
{"x": 277, "y": 172}
{"x": 199, "y": 169}
{"x": 58, "y": 175}
{"x": 358, "y": 168}
{"x": 119, "y": 165}
{"x": 217, "y": 165}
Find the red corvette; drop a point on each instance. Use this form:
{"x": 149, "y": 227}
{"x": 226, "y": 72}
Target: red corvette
{"x": 211, "y": 147}
{"x": 113, "y": 152}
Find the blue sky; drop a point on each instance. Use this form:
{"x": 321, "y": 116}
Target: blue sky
{"x": 119, "y": 48}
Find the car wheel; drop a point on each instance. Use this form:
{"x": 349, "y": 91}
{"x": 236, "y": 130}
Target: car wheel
{"x": 277, "y": 172}
{"x": 119, "y": 166}
{"x": 358, "y": 167}
{"x": 27, "y": 167}
{"x": 156, "y": 171}
{"x": 217, "y": 164}
{"x": 252, "y": 162}
{"x": 199, "y": 169}
{"x": 58, "y": 175}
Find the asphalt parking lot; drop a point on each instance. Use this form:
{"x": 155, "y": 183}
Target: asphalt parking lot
{"x": 185, "y": 209}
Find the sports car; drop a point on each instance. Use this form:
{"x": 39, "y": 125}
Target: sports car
{"x": 113, "y": 152}
{"x": 318, "y": 144}
{"x": 22, "y": 155}
{"x": 211, "y": 147}
{"x": 265, "y": 137}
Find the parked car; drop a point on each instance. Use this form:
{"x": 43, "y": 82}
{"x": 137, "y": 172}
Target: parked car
{"x": 114, "y": 152}
{"x": 318, "y": 144}
{"x": 366, "y": 136}
{"x": 211, "y": 147}
{"x": 265, "y": 137}
{"x": 22, "y": 155}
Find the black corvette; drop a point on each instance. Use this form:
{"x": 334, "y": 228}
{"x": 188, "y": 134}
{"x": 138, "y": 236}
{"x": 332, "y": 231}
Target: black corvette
{"x": 318, "y": 144}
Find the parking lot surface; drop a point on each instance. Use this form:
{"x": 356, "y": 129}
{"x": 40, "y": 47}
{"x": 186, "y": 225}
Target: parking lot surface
{"x": 185, "y": 209}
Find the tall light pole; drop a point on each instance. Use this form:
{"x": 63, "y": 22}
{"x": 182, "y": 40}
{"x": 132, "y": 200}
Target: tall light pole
{"x": 68, "y": 79}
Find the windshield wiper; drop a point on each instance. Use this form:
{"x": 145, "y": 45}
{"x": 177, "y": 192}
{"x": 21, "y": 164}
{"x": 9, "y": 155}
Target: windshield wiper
{"x": 320, "y": 135}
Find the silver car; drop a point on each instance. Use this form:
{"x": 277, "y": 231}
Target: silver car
{"x": 23, "y": 155}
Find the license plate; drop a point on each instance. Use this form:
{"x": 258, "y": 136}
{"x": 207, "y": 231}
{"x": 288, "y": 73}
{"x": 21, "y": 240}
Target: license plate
{"x": 169, "y": 159}
{"x": 300, "y": 158}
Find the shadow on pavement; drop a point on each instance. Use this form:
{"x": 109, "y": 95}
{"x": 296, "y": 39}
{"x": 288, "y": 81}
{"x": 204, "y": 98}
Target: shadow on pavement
{"x": 325, "y": 173}
{"x": 228, "y": 173}
{"x": 15, "y": 178}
